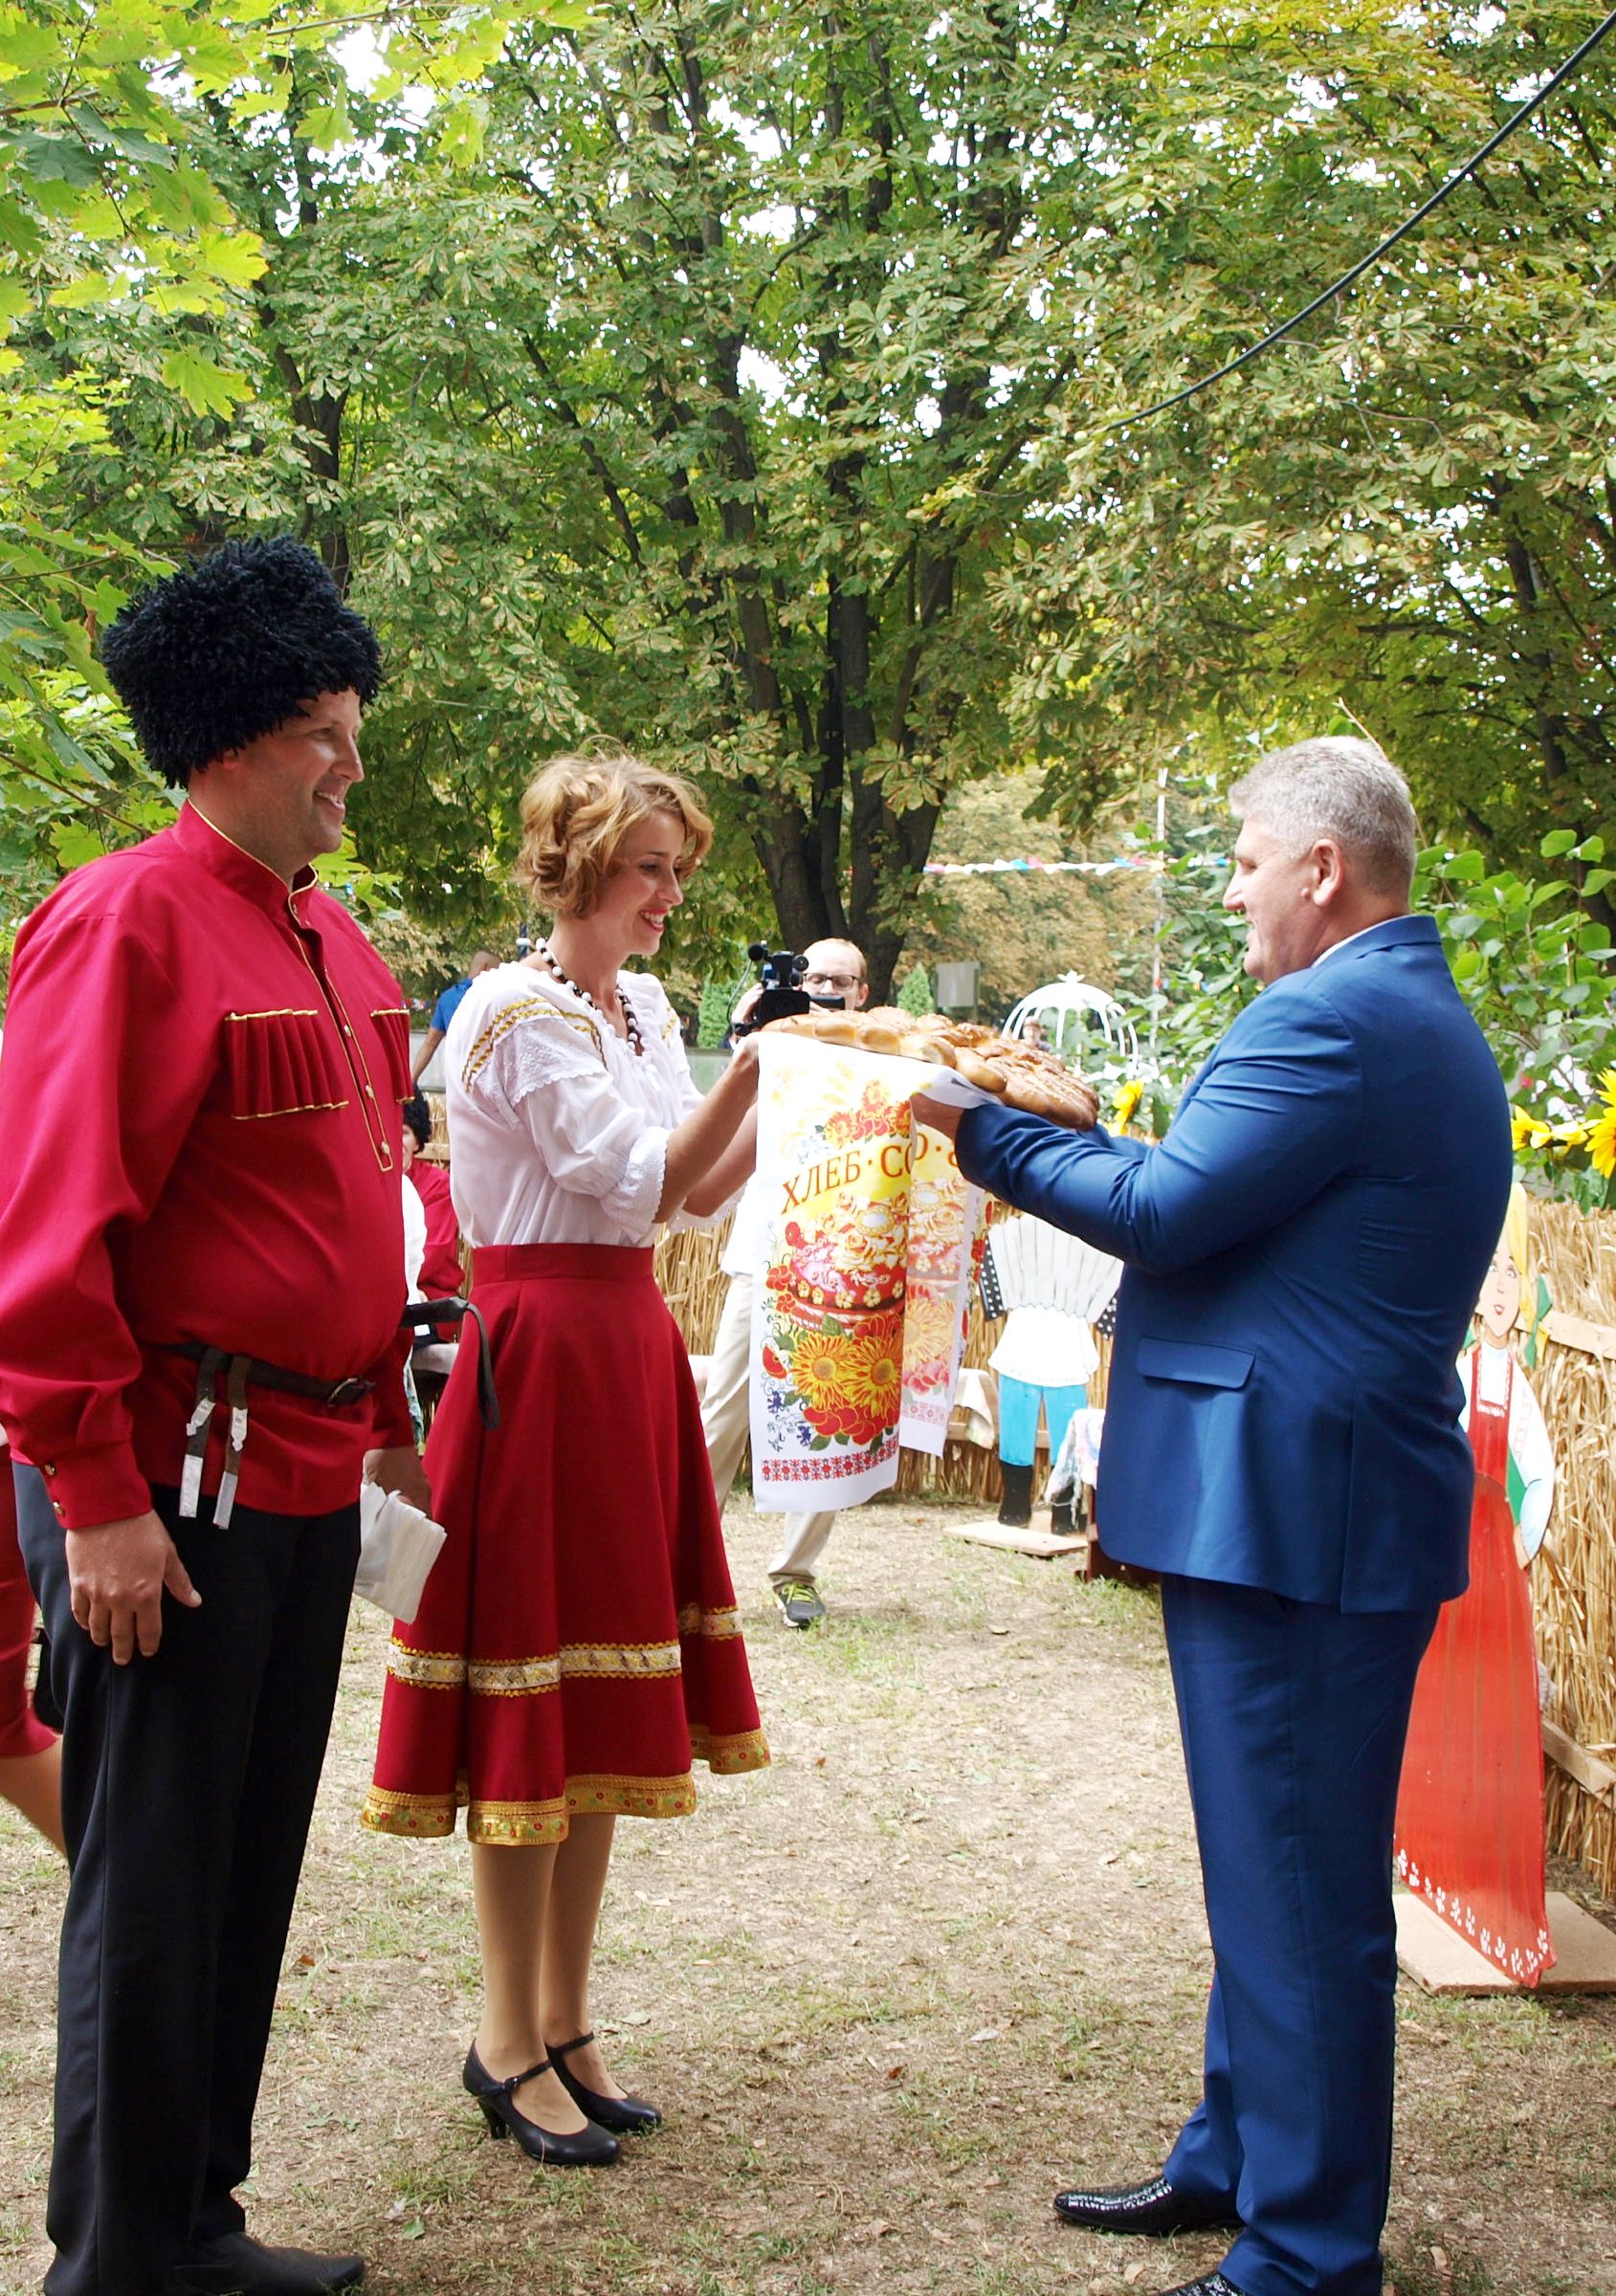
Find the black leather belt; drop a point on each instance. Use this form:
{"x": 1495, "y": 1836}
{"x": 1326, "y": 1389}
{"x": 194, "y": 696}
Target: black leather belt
{"x": 242, "y": 1372}
{"x": 337, "y": 1394}
{"x": 422, "y": 1315}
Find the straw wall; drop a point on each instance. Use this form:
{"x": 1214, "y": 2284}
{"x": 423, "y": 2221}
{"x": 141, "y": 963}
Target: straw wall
{"x": 1574, "y": 1577}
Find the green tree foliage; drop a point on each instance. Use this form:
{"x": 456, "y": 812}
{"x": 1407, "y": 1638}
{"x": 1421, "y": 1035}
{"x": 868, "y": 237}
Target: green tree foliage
{"x": 129, "y": 281}
{"x": 695, "y": 408}
{"x": 915, "y": 994}
{"x": 734, "y": 379}
{"x": 712, "y": 1015}
{"x": 771, "y": 285}
{"x": 1410, "y": 507}
{"x": 1025, "y": 927}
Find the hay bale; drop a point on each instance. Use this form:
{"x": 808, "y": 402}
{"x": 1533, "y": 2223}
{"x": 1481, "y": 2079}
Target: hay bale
{"x": 692, "y": 1283}
{"x": 1574, "y": 1577}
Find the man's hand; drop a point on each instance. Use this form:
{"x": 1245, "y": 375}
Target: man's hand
{"x": 747, "y": 1005}
{"x": 399, "y": 1468}
{"x": 117, "y": 1573}
{"x": 938, "y": 1115}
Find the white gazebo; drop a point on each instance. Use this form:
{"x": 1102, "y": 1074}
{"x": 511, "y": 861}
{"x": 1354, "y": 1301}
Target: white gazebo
{"x": 1073, "y": 1013}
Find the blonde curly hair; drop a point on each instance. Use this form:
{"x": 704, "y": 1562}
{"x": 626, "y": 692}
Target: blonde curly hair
{"x": 575, "y": 815}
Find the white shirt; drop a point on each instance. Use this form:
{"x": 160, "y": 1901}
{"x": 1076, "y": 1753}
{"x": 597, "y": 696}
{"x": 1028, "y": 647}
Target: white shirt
{"x": 1530, "y": 1449}
{"x": 745, "y": 1239}
{"x": 1045, "y": 1347}
{"x": 1337, "y": 946}
{"x": 558, "y": 1129}
{"x": 414, "y": 1239}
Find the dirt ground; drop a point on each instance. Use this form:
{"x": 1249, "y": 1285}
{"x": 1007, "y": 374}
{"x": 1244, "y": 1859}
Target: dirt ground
{"x": 892, "y": 1994}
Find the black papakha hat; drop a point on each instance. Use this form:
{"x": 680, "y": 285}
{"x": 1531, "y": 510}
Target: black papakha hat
{"x": 209, "y": 659}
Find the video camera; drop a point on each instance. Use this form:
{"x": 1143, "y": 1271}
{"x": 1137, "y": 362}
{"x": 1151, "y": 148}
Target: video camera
{"x": 780, "y": 972}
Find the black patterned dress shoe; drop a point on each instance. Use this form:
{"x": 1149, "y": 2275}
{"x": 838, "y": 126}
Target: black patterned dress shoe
{"x": 236, "y": 2265}
{"x": 1213, "y": 2283}
{"x": 1153, "y": 2209}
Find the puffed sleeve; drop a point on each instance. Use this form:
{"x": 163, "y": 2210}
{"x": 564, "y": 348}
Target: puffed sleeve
{"x": 544, "y": 1069}
{"x": 1532, "y": 1458}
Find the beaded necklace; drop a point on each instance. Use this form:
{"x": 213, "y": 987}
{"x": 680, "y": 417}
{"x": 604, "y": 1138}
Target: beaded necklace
{"x": 542, "y": 951}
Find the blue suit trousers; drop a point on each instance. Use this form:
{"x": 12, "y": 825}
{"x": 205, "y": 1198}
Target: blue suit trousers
{"x": 1293, "y": 1717}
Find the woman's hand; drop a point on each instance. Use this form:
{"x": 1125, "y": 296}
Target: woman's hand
{"x": 711, "y": 1152}
{"x": 938, "y": 1115}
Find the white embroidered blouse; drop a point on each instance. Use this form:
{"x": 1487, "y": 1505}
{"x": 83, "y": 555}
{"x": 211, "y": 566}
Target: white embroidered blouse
{"x": 558, "y": 1129}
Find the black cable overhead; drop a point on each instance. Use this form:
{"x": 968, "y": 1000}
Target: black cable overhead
{"x": 1349, "y": 278}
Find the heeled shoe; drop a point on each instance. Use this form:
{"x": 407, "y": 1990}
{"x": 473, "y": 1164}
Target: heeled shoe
{"x": 628, "y": 2116}
{"x": 589, "y": 2148}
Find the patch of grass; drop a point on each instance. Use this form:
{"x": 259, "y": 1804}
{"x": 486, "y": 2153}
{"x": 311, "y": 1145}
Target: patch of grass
{"x": 1417, "y": 2272}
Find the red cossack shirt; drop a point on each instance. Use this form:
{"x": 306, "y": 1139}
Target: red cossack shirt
{"x": 441, "y": 1276}
{"x": 199, "y": 1141}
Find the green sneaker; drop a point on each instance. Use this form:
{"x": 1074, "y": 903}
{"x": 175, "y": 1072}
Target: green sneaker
{"x": 799, "y": 1602}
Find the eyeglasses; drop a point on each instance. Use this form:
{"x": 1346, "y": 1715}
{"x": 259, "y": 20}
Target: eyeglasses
{"x": 843, "y": 981}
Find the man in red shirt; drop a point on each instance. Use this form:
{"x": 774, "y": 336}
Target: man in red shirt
{"x": 201, "y": 1230}
{"x": 441, "y": 1276}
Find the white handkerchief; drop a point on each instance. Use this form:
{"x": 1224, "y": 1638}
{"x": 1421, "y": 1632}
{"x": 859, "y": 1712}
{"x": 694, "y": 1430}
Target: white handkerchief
{"x": 397, "y": 1547}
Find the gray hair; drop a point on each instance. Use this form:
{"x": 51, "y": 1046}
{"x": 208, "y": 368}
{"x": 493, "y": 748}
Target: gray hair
{"x": 1339, "y": 788}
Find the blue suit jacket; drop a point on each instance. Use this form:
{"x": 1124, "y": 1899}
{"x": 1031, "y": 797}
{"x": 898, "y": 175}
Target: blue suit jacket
{"x": 1303, "y": 1252}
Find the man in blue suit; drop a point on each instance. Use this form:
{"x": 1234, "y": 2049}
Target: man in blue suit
{"x": 1282, "y": 1443}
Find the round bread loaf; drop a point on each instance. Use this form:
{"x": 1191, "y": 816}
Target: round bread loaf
{"x": 977, "y": 1071}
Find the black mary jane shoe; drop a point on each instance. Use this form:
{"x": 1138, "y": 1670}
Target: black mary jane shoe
{"x": 626, "y": 2117}
{"x": 589, "y": 2148}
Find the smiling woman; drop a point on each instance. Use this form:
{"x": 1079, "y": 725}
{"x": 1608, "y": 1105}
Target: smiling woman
{"x": 578, "y": 1644}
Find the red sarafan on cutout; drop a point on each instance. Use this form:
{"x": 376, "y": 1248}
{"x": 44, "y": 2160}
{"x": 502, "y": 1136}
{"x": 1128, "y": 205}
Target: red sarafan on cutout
{"x": 1469, "y": 1812}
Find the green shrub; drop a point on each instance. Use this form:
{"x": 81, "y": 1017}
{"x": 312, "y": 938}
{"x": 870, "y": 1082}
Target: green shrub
{"x": 915, "y": 994}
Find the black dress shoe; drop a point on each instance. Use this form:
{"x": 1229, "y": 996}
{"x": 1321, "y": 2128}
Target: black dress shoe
{"x": 1212, "y": 2283}
{"x": 588, "y": 2148}
{"x": 628, "y": 2116}
{"x": 235, "y": 2265}
{"x": 1154, "y": 2209}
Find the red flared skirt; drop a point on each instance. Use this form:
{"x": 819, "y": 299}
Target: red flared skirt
{"x": 1470, "y": 1810}
{"x": 20, "y": 1735}
{"x": 578, "y": 1644}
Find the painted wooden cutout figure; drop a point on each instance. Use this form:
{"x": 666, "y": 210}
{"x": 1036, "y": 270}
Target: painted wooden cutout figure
{"x": 1469, "y": 1814}
{"x": 1049, "y": 1287}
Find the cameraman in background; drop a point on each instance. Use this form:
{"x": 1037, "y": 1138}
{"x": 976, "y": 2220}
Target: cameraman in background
{"x": 833, "y": 973}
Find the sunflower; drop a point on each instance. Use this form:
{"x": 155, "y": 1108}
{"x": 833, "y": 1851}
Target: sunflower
{"x": 818, "y": 1369}
{"x": 1602, "y": 1134}
{"x": 1526, "y": 1131}
{"x": 873, "y": 1373}
{"x": 1601, "y": 1143}
{"x": 928, "y": 1330}
{"x": 1126, "y": 1105}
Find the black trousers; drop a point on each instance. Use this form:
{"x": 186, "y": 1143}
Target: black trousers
{"x": 188, "y": 1783}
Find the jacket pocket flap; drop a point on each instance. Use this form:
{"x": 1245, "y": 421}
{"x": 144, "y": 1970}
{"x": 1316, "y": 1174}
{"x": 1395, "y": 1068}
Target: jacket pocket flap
{"x": 1196, "y": 1361}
